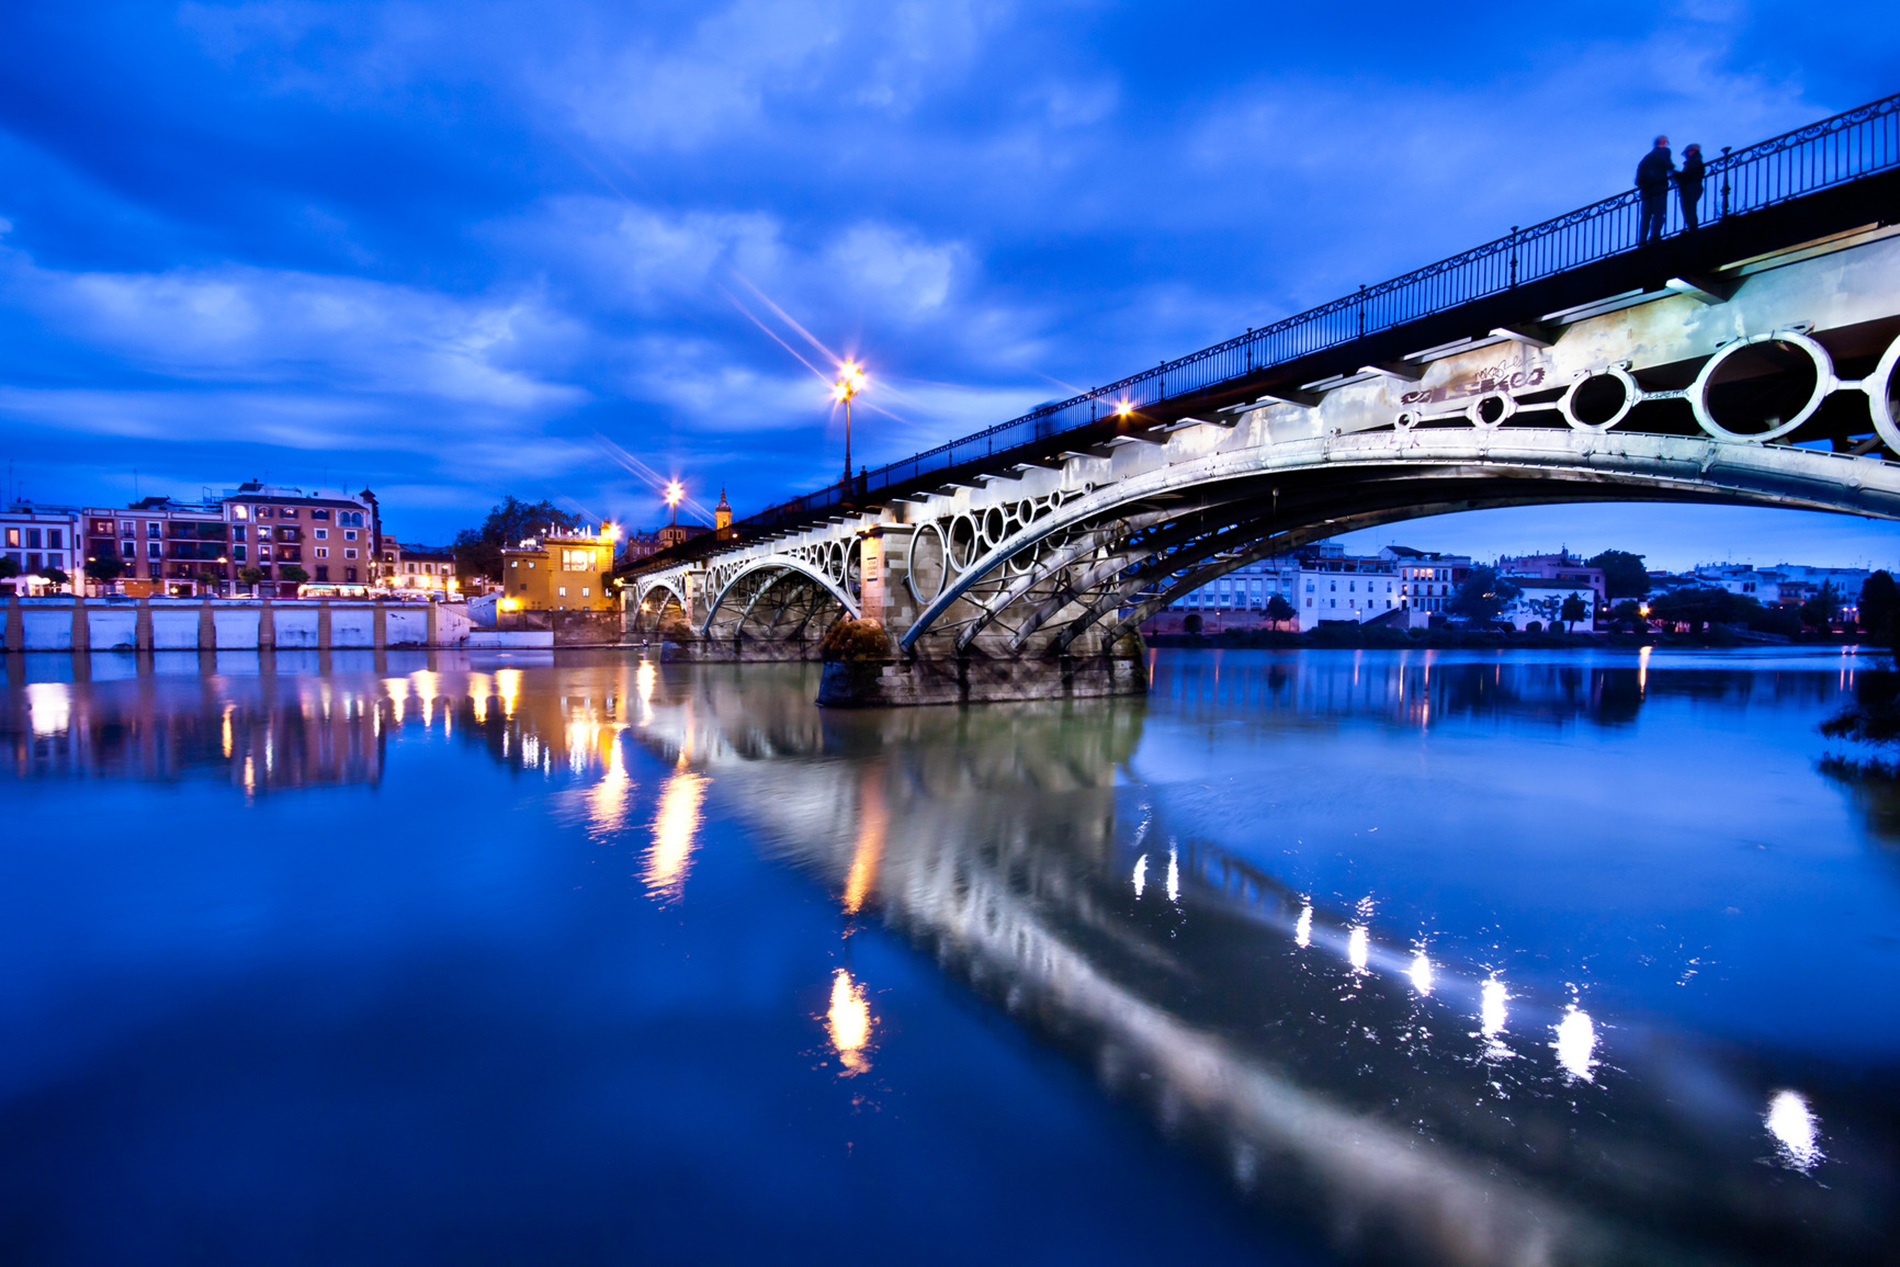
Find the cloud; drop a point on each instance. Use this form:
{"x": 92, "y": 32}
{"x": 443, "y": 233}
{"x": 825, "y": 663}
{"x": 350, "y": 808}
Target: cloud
{"x": 459, "y": 241}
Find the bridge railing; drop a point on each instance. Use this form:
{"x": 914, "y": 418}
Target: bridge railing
{"x": 1858, "y": 143}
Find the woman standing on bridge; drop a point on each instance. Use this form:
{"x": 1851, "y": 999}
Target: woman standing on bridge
{"x": 1689, "y": 186}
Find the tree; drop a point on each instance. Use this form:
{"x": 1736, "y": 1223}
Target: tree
{"x": 294, "y": 574}
{"x": 1483, "y": 594}
{"x": 1629, "y": 610}
{"x": 1702, "y": 607}
{"x": 478, "y": 550}
{"x": 58, "y": 576}
{"x": 105, "y": 569}
{"x": 8, "y": 568}
{"x": 1575, "y": 609}
{"x": 1279, "y": 610}
{"x": 1879, "y": 604}
{"x": 1624, "y": 575}
{"x": 251, "y": 576}
{"x": 1819, "y": 611}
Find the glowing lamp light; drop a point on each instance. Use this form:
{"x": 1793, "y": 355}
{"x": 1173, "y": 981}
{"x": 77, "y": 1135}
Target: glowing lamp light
{"x": 675, "y": 492}
{"x": 1124, "y": 409}
{"x": 610, "y": 532}
{"x": 850, "y": 382}
{"x": 510, "y": 604}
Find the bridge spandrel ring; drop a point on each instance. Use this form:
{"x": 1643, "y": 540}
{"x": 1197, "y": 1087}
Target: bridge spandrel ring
{"x": 1584, "y": 396}
{"x": 1883, "y": 396}
{"x": 1824, "y": 383}
{"x": 925, "y": 572}
{"x": 1491, "y": 410}
{"x": 962, "y": 543}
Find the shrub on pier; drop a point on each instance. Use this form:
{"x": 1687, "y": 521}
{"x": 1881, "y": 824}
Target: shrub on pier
{"x": 857, "y": 640}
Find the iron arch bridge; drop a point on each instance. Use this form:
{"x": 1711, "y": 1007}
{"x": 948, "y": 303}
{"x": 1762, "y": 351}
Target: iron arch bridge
{"x": 1785, "y": 394}
{"x": 1756, "y": 362}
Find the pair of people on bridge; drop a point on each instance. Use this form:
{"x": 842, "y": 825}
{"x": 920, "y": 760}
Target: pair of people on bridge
{"x": 1652, "y": 183}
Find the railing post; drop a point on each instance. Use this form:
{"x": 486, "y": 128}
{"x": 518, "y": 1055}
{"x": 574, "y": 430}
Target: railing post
{"x": 1725, "y": 150}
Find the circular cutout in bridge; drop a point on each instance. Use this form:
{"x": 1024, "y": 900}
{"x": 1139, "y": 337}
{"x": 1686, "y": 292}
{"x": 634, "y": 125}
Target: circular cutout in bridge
{"x": 1598, "y": 401}
{"x": 1883, "y": 396}
{"x": 963, "y": 542}
{"x": 925, "y": 571}
{"x": 1762, "y": 388}
{"x": 1489, "y": 411}
{"x": 994, "y": 526}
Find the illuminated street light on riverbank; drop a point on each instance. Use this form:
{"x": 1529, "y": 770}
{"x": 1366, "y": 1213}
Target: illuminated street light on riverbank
{"x": 675, "y": 493}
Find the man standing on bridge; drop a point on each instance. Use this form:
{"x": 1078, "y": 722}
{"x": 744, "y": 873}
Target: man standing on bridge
{"x": 1689, "y": 186}
{"x": 1652, "y": 182}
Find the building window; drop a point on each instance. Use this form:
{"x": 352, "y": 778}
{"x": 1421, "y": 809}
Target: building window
{"x": 563, "y": 591}
{"x": 577, "y": 560}
{"x": 13, "y": 536}
{"x": 288, "y": 512}
{"x": 349, "y": 575}
{"x": 323, "y": 534}
{"x": 152, "y": 550}
{"x": 237, "y": 554}
{"x": 323, "y": 573}
{"x": 319, "y": 514}
{"x": 323, "y": 552}
{"x": 263, "y": 512}
{"x": 349, "y": 554}
{"x": 349, "y": 536}
{"x": 583, "y": 591}
{"x": 240, "y": 512}
{"x": 151, "y": 529}
{"x": 33, "y": 537}
{"x": 127, "y": 528}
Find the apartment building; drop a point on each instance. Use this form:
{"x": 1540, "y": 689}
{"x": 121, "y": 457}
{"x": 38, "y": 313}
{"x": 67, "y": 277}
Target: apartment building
{"x": 37, "y": 540}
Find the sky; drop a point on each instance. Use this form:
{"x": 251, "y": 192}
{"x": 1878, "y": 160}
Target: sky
{"x": 568, "y": 250}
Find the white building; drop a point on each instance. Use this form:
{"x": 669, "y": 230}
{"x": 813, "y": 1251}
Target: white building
{"x": 1542, "y": 603}
{"x": 37, "y": 539}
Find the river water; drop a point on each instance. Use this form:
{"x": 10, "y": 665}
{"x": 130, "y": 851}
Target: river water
{"x": 1304, "y": 958}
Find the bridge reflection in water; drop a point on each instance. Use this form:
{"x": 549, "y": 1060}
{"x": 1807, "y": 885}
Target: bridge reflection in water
{"x": 1413, "y": 1105}
{"x": 1409, "y": 1097}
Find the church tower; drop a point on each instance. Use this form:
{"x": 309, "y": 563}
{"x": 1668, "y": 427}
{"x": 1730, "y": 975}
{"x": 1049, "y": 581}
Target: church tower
{"x": 722, "y": 514}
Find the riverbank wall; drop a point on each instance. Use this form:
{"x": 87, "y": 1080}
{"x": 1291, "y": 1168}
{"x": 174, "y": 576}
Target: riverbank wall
{"x": 66, "y": 625}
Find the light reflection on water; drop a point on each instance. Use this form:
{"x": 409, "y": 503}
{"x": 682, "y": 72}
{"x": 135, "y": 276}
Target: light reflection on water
{"x": 1383, "y": 1011}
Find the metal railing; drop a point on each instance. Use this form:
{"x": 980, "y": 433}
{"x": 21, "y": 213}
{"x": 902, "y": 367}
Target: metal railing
{"x": 1860, "y": 142}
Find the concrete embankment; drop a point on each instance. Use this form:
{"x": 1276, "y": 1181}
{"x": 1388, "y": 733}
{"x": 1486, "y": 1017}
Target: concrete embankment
{"x": 67, "y": 625}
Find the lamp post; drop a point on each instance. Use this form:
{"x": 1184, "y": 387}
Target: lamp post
{"x": 675, "y": 491}
{"x": 850, "y": 383}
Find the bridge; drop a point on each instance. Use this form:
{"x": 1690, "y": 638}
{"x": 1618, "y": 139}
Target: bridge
{"x": 1754, "y": 360}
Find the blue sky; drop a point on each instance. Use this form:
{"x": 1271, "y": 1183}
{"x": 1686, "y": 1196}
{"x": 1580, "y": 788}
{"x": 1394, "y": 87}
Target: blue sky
{"x": 457, "y": 251}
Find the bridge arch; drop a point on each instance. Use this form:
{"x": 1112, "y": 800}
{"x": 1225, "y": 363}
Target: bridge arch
{"x": 767, "y": 572}
{"x": 1125, "y": 550}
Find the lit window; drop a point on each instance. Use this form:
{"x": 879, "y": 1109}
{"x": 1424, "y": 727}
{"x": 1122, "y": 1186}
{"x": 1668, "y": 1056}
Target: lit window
{"x": 323, "y": 534}
{"x": 563, "y": 591}
{"x": 240, "y": 512}
{"x": 583, "y": 591}
{"x": 323, "y": 552}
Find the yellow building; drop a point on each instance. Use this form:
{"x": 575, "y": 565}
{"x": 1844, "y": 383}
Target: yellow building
{"x": 560, "y": 571}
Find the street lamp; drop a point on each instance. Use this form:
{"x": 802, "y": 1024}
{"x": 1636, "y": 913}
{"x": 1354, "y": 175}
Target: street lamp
{"x": 850, "y": 383}
{"x": 675, "y": 491}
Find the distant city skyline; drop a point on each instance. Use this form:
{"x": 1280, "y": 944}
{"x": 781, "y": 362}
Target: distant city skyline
{"x": 572, "y": 251}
